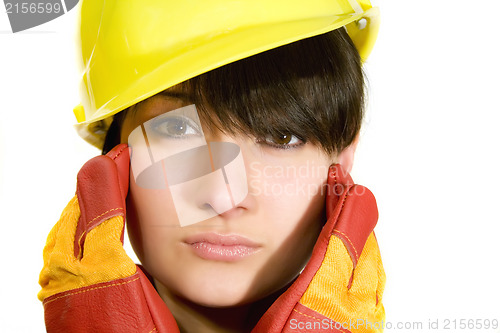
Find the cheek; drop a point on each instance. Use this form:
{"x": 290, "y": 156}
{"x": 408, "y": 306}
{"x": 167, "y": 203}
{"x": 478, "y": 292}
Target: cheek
{"x": 289, "y": 189}
{"x": 292, "y": 200}
{"x": 150, "y": 217}
{"x": 297, "y": 209}
{"x": 293, "y": 223}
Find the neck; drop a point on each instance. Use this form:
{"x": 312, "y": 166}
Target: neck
{"x": 191, "y": 317}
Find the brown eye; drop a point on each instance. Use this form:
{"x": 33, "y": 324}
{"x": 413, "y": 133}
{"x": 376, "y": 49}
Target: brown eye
{"x": 282, "y": 139}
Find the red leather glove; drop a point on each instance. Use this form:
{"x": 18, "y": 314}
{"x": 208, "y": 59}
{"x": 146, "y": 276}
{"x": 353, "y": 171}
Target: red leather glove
{"x": 340, "y": 289}
{"x": 89, "y": 284}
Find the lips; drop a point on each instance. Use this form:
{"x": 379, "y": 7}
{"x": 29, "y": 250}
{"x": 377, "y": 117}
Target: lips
{"x": 212, "y": 246}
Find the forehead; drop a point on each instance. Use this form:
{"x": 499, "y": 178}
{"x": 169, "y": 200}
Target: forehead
{"x": 147, "y": 109}
{"x": 168, "y": 100}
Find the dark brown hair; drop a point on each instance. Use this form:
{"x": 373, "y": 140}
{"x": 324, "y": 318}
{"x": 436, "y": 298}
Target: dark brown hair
{"x": 312, "y": 88}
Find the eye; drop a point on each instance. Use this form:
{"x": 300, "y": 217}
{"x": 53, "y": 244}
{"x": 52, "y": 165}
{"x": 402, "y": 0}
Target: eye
{"x": 176, "y": 127}
{"x": 282, "y": 141}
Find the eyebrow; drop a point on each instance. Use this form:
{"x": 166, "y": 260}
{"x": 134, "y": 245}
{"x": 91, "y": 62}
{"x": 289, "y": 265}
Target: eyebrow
{"x": 176, "y": 94}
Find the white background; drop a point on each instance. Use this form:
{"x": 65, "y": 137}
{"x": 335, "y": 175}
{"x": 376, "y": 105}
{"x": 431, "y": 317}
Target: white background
{"x": 429, "y": 152}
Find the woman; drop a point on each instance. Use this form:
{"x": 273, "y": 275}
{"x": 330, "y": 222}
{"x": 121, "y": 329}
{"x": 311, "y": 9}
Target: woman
{"x": 242, "y": 120}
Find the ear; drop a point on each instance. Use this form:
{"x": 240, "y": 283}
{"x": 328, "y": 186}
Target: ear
{"x": 346, "y": 157}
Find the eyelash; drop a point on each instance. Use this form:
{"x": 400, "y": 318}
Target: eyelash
{"x": 266, "y": 142}
{"x": 182, "y": 121}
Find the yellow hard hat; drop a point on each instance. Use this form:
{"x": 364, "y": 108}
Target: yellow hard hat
{"x": 132, "y": 50}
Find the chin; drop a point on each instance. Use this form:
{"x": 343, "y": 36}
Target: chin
{"x": 220, "y": 302}
{"x": 221, "y": 296}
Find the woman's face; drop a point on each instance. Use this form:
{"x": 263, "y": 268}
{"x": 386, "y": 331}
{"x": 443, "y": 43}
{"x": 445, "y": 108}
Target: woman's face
{"x": 242, "y": 254}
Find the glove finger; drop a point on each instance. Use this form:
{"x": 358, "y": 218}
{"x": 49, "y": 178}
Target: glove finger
{"x": 380, "y": 312}
{"x": 368, "y": 282}
{"x": 329, "y": 293}
{"x": 351, "y": 220}
{"x": 365, "y": 275}
{"x": 66, "y": 224}
{"x": 58, "y": 253}
{"x": 101, "y": 190}
{"x": 104, "y": 258}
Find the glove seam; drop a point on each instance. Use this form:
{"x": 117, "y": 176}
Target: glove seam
{"x": 84, "y": 234}
{"x": 118, "y": 153}
{"x": 305, "y": 315}
{"x": 86, "y": 290}
{"x": 95, "y": 218}
{"x": 347, "y": 237}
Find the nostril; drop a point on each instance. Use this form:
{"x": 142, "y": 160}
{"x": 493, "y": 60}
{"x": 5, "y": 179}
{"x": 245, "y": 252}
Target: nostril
{"x": 206, "y": 206}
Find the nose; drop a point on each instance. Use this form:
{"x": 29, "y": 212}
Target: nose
{"x": 214, "y": 195}
{"x": 226, "y": 185}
